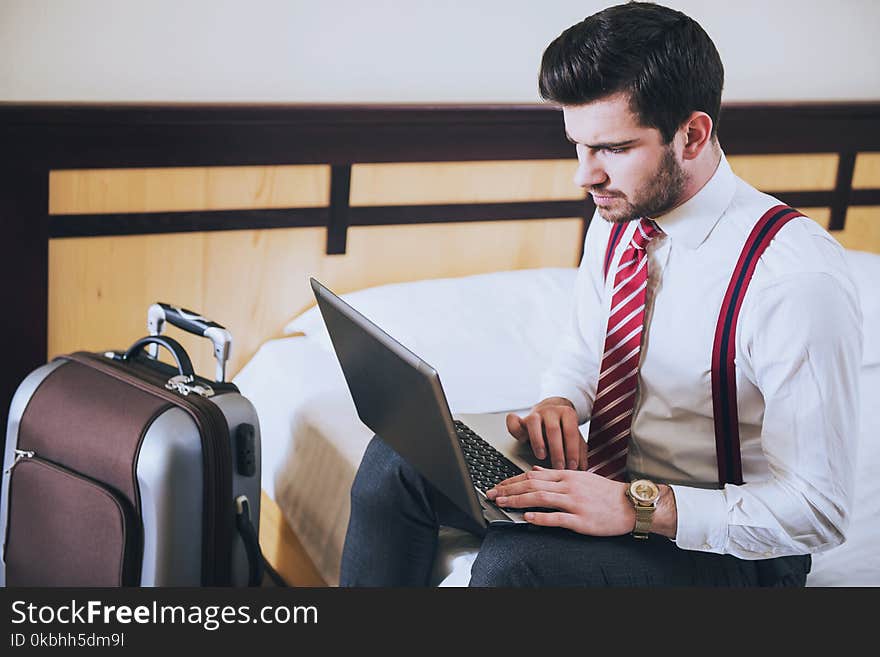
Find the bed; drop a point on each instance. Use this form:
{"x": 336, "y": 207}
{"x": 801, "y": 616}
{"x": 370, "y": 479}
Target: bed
{"x": 228, "y": 209}
{"x": 487, "y": 335}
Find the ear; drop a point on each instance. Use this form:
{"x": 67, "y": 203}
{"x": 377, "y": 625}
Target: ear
{"x": 697, "y": 130}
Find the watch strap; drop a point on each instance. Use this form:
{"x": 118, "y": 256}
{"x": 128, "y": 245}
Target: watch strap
{"x": 644, "y": 517}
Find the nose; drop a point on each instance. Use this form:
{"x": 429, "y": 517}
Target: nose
{"x": 589, "y": 173}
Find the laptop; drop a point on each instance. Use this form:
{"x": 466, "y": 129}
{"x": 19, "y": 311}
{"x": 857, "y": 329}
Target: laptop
{"x": 399, "y": 397}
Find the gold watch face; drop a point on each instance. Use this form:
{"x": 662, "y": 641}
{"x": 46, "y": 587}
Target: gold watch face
{"x": 644, "y": 491}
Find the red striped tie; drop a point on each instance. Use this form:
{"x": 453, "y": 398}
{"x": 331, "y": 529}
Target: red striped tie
{"x": 616, "y": 393}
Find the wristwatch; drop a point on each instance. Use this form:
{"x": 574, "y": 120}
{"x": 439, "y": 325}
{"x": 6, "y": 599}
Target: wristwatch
{"x": 643, "y": 493}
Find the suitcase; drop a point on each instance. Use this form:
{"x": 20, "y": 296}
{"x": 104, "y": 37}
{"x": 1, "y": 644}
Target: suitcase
{"x": 121, "y": 470}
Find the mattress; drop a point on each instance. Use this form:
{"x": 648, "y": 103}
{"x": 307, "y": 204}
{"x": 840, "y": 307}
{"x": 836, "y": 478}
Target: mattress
{"x": 488, "y": 337}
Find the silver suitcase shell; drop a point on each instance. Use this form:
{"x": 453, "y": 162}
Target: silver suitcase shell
{"x": 170, "y": 483}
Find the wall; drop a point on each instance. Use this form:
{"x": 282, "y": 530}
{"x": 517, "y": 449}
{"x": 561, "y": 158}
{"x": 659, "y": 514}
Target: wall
{"x": 396, "y": 50}
{"x": 338, "y": 51}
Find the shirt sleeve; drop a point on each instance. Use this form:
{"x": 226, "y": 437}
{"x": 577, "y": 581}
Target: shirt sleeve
{"x": 574, "y": 367}
{"x": 803, "y": 344}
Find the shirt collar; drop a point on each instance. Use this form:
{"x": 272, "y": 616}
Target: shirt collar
{"x": 692, "y": 221}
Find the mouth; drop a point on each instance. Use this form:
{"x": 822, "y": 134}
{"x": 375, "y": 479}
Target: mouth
{"x": 603, "y": 198}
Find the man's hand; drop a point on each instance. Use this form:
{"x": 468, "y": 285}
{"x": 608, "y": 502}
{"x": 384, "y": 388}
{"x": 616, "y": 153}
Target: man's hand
{"x": 552, "y": 427}
{"x": 587, "y": 503}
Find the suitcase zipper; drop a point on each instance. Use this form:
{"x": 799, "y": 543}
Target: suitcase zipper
{"x": 19, "y": 455}
{"x": 128, "y": 521}
{"x": 218, "y": 525}
{"x": 181, "y": 383}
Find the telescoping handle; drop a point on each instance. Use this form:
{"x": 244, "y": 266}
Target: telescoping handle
{"x": 191, "y": 322}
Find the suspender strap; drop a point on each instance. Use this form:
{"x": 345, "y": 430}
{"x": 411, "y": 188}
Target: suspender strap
{"x": 613, "y": 241}
{"x": 727, "y": 445}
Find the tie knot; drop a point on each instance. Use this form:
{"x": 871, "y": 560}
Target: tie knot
{"x": 645, "y": 232}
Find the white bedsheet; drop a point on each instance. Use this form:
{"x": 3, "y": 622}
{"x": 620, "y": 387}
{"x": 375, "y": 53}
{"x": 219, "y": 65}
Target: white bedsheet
{"x": 488, "y": 336}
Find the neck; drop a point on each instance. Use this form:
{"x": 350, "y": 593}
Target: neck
{"x": 700, "y": 171}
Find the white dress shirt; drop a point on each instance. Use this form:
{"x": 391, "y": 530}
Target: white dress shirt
{"x": 798, "y": 352}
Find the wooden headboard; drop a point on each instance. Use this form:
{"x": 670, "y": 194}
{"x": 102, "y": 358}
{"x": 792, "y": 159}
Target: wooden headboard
{"x": 228, "y": 209}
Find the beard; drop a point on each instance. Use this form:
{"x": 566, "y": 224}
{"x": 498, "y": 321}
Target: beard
{"x": 658, "y": 196}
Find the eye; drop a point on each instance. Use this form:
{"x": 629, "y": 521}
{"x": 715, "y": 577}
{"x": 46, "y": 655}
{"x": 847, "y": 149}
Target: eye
{"x": 615, "y": 150}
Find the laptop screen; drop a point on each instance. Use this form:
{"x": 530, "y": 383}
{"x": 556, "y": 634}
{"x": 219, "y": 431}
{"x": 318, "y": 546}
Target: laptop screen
{"x": 399, "y": 397}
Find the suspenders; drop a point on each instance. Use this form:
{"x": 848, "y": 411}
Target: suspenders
{"x": 727, "y": 447}
{"x": 724, "y": 351}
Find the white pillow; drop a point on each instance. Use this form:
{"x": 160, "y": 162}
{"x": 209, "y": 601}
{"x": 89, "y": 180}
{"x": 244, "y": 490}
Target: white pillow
{"x": 857, "y": 561}
{"x": 508, "y": 303}
{"x": 865, "y": 268}
{"x": 489, "y": 336}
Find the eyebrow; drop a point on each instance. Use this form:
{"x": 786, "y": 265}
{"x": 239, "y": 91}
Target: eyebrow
{"x": 601, "y": 146}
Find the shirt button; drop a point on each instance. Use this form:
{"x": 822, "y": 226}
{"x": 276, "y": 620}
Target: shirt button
{"x": 706, "y": 546}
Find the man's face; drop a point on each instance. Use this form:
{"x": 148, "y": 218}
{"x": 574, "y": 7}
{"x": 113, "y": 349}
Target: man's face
{"x": 625, "y": 166}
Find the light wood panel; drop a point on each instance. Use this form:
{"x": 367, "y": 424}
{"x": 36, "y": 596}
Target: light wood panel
{"x": 99, "y": 191}
{"x": 464, "y": 182}
{"x": 866, "y": 174}
{"x": 386, "y": 254}
{"x": 253, "y": 282}
{"x": 821, "y": 216}
{"x": 100, "y": 289}
{"x": 789, "y": 173}
{"x": 862, "y": 229}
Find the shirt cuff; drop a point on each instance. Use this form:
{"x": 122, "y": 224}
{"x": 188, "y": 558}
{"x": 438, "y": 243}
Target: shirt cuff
{"x": 702, "y": 519}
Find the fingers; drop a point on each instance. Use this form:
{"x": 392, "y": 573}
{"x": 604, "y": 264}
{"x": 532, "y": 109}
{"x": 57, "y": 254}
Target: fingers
{"x": 545, "y": 480}
{"x": 573, "y": 439}
{"x": 537, "y": 473}
{"x": 544, "y": 498}
{"x": 534, "y": 422}
{"x": 525, "y": 486}
{"x": 555, "y": 519}
{"x": 553, "y": 429}
{"x": 516, "y": 427}
{"x": 583, "y": 461}
{"x": 555, "y": 443}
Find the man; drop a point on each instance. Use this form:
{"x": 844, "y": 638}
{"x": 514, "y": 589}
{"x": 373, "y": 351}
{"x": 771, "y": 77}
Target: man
{"x": 640, "y": 89}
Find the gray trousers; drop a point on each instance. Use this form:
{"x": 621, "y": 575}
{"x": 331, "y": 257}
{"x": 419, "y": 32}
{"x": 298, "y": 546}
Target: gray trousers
{"x": 396, "y": 515}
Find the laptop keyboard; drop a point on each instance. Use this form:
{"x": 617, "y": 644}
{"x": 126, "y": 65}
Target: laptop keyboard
{"x": 487, "y": 465}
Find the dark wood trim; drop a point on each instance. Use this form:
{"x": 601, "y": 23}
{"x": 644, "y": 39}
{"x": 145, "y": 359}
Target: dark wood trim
{"x": 150, "y": 223}
{"x": 864, "y": 197}
{"x": 340, "y": 193}
{"x": 24, "y": 271}
{"x": 805, "y": 199}
{"x": 784, "y": 128}
{"x": 428, "y": 214}
{"x": 845, "y": 167}
{"x": 114, "y": 136}
{"x": 38, "y": 138}
{"x": 142, "y": 136}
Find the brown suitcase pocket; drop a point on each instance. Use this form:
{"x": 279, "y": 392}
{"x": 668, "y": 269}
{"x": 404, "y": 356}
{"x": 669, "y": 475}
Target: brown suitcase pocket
{"x": 66, "y": 529}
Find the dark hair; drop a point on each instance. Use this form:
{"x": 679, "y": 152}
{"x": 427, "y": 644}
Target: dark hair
{"x": 660, "y": 57}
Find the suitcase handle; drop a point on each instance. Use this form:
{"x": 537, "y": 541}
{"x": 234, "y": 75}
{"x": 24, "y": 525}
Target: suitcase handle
{"x": 191, "y": 322}
{"x": 184, "y": 364}
{"x": 257, "y": 564}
